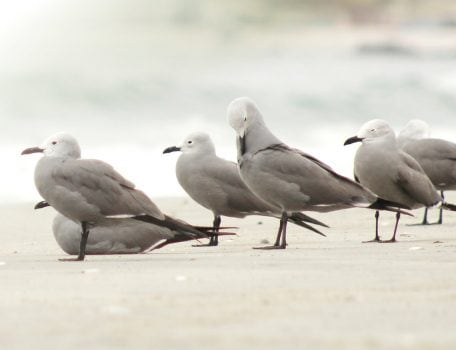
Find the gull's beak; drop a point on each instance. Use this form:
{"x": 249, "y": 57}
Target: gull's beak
{"x": 242, "y": 144}
{"x": 352, "y": 140}
{"x": 42, "y": 204}
{"x": 171, "y": 149}
{"x": 32, "y": 150}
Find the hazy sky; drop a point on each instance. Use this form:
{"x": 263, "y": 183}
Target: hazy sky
{"x": 131, "y": 77}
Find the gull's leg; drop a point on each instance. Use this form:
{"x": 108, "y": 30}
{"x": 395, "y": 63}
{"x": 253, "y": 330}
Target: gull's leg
{"x": 213, "y": 241}
{"x": 84, "y": 237}
{"x": 393, "y": 239}
{"x": 284, "y": 222}
{"x": 377, "y": 237}
{"x": 281, "y": 235}
{"x": 82, "y": 245}
{"x": 441, "y": 210}
{"x": 425, "y": 220}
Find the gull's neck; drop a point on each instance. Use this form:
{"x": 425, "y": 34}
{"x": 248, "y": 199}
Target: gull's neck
{"x": 259, "y": 137}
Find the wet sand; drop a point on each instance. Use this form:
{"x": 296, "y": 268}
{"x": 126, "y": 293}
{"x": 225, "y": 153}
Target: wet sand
{"x": 320, "y": 293}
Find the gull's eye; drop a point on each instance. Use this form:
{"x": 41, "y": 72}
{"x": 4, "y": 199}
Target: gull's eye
{"x": 54, "y": 142}
{"x": 190, "y": 142}
{"x": 372, "y": 130}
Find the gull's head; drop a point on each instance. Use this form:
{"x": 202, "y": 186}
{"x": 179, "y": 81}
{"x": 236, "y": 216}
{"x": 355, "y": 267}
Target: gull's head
{"x": 415, "y": 129}
{"x": 373, "y": 129}
{"x": 59, "y": 145}
{"x": 197, "y": 142}
{"x": 242, "y": 113}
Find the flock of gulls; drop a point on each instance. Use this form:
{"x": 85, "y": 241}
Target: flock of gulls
{"x": 101, "y": 212}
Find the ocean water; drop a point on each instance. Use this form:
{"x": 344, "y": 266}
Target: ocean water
{"x": 132, "y": 81}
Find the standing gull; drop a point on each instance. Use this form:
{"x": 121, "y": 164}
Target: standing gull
{"x": 285, "y": 177}
{"x": 215, "y": 184}
{"x": 437, "y": 157}
{"x": 115, "y": 236}
{"x": 391, "y": 173}
{"x": 88, "y": 191}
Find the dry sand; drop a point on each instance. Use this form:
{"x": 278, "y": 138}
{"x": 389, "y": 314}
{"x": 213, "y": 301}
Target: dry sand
{"x": 320, "y": 293}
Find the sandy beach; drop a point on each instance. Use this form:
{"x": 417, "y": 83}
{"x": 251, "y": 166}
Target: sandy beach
{"x": 320, "y": 293}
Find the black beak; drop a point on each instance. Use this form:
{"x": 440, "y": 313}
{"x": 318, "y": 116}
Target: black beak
{"x": 171, "y": 149}
{"x": 32, "y": 150}
{"x": 42, "y": 204}
{"x": 352, "y": 140}
{"x": 242, "y": 144}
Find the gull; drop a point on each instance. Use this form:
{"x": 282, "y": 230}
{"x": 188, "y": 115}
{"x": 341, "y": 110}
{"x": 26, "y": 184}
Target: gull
{"x": 437, "y": 157}
{"x": 391, "y": 173}
{"x": 116, "y": 236}
{"x": 215, "y": 183}
{"x": 286, "y": 177}
{"x": 88, "y": 191}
